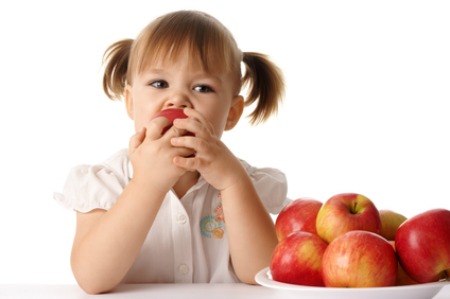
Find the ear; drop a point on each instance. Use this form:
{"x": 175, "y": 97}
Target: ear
{"x": 129, "y": 102}
{"x": 235, "y": 112}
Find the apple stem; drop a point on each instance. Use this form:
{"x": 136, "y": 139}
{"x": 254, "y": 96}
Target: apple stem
{"x": 353, "y": 209}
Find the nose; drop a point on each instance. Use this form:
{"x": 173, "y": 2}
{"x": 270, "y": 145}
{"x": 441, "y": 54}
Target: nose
{"x": 178, "y": 100}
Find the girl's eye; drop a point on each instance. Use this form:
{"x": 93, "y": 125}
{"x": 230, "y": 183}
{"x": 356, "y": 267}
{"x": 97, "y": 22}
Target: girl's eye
{"x": 203, "y": 88}
{"x": 159, "y": 84}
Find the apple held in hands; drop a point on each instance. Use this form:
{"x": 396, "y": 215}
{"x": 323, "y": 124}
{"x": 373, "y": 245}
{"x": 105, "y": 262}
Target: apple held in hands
{"x": 390, "y": 221}
{"x": 423, "y": 245}
{"x": 171, "y": 114}
{"x": 345, "y": 212}
{"x": 297, "y": 259}
{"x": 359, "y": 259}
{"x": 298, "y": 215}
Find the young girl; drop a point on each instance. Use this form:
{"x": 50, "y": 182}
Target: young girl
{"x": 178, "y": 207}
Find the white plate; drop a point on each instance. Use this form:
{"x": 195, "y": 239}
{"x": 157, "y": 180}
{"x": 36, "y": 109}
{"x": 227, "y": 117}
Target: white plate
{"x": 419, "y": 291}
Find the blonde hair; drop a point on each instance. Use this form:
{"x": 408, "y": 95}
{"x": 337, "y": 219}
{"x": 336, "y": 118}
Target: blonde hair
{"x": 208, "y": 41}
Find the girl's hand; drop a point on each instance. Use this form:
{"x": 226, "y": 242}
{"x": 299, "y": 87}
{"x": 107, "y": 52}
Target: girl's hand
{"x": 212, "y": 159}
{"x": 152, "y": 155}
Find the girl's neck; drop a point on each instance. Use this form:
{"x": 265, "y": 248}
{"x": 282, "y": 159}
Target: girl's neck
{"x": 185, "y": 183}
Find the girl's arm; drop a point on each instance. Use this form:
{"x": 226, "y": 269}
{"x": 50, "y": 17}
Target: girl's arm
{"x": 250, "y": 228}
{"x": 107, "y": 243}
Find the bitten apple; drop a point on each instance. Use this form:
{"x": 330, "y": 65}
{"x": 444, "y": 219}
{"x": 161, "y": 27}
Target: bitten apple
{"x": 297, "y": 259}
{"x": 299, "y": 215}
{"x": 423, "y": 245}
{"x": 359, "y": 259}
{"x": 390, "y": 221}
{"x": 345, "y": 212}
{"x": 171, "y": 114}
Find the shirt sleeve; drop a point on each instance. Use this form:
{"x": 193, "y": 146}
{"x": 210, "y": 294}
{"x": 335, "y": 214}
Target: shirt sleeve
{"x": 271, "y": 186}
{"x": 90, "y": 187}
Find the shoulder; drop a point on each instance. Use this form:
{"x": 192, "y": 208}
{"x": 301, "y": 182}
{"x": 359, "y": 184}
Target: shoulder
{"x": 116, "y": 166}
{"x": 271, "y": 185}
{"x": 95, "y": 186}
{"x": 119, "y": 164}
{"x": 265, "y": 172}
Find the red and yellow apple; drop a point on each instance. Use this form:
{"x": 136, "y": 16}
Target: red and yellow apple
{"x": 423, "y": 245}
{"x": 359, "y": 259}
{"x": 346, "y": 212}
{"x": 297, "y": 259}
{"x": 390, "y": 221}
{"x": 299, "y": 215}
{"x": 171, "y": 114}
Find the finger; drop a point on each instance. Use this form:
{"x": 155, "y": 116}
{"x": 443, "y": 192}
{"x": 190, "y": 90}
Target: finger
{"x": 156, "y": 128}
{"x": 187, "y": 163}
{"x": 137, "y": 139}
{"x": 192, "y": 113}
{"x": 191, "y": 142}
{"x": 184, "y": 141}
{"x": 178, "y": 144}
{"x": 200, "y": 118}
{"x": 174, "y": 131}
{"x": 184, "y": 152}
{"x": 193, "y": 127}
{"x": 196, "y": 123}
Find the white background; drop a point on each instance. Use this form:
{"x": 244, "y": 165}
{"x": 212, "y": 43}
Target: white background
{"x": 366, "y": 107}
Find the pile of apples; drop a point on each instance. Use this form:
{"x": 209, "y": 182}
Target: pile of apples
{"x": 347, "y": 242}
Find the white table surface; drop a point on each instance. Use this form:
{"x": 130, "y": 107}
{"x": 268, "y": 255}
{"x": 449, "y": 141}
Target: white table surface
{"x": 159, "y": 291}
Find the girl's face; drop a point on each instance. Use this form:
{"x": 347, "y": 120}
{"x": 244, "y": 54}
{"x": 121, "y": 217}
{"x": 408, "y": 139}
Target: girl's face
{"x": 184, "y": 83}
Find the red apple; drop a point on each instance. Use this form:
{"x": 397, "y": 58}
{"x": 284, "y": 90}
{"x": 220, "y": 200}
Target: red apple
{"x": 345, "y": 212}
{"x": 403, "y": 278}
{"x": 297, "y": 259}
{"x": 423, "y": 245}
{"x": 171, "y": 114}
{"x": 298, "y": 215}
{"x": 359, "y": 259}
{"x": 390, "y": 221}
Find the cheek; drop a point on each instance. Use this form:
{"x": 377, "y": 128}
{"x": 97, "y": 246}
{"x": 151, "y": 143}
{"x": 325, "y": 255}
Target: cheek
{"x": 218, "y": 121}
{"x": 142, "y": 116}
{"x": 137, "y": 126}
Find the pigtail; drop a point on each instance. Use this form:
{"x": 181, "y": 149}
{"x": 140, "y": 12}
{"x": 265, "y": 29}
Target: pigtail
{"x": 265, "y": 83}
{"x": 115, "y": 60}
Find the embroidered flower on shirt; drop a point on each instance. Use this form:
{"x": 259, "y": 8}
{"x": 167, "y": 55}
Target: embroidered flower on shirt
{"x": 211, "y": 226}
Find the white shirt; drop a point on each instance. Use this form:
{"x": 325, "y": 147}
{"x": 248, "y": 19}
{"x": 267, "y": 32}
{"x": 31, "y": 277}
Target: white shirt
{"x": 187, "y": 242}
